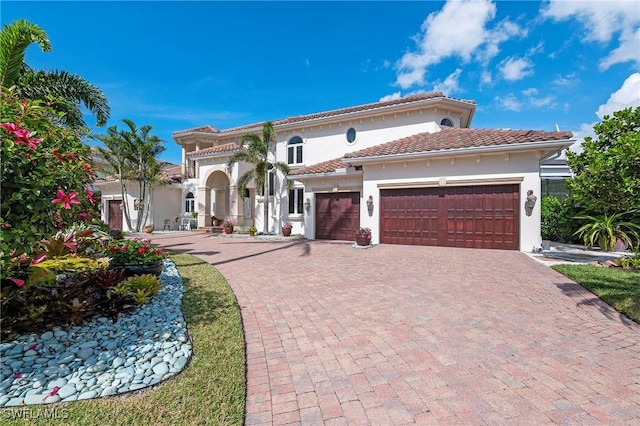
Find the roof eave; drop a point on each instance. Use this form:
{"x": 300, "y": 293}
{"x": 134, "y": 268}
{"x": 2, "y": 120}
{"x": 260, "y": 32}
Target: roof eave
{"x": 525, "y": 146}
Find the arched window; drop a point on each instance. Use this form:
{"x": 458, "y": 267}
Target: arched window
{"x": 294, "y": 150}
{"x": 351, "y": 135}
{"x": 446, "y": 122}
{"x": 189, "y": 203}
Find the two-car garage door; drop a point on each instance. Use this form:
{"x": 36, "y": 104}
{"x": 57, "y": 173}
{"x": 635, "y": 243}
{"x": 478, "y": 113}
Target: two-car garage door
{"x": 465, "y": 216}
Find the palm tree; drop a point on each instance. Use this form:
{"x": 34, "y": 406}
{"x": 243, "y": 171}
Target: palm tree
{"x": 255, "y": 151}
{"x": 132, "y": 155}
{"x": 70, "y": 90}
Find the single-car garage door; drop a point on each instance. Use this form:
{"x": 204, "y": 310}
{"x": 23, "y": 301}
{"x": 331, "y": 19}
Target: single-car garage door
{"x": 464, "y": 216}
{"x": 337, "y": 215}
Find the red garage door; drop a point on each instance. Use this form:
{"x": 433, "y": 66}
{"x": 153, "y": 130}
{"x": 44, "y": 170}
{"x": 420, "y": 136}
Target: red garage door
{"x": 337, "y": 215}
{"x": 465, "y": 216}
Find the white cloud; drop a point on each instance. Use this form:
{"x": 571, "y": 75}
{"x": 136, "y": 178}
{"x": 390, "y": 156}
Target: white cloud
{"x": 516, "y": 69}
{"x": 627, "y": 96}
{"x": 629, "y": 50}
{"x": 391, "y": 97}
{"x": 486, "y": 77}
{"x": 509, "y": 103}
{"x": 602, "y": 21}
{"x": 450, "y": 85}
{"x": 441, "y": 38}
{"x": 566, "y": 80}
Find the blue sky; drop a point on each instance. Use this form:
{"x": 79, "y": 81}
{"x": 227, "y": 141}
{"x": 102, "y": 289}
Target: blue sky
{"x": 178, "y": 65}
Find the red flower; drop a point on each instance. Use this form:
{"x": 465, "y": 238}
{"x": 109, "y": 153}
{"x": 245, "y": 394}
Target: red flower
{"x": 125, "y": 247}
{"x": 54, "y": 391}
{"x": 10, "y": 127}
{"x": 65, "y": 199}
{"x": 57, "y": 155}
{"x": 33, "y": 347}
{"x": 90, "y": 196}
{"x": 17, "y": 281}
{"x": 17, "y": 375}
{"x": 6, "y": 225}
{"x": 84, "y": 216}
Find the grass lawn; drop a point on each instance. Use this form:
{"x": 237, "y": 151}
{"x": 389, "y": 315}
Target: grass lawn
{"x": 617, "y": 287}
{"x": 210, "y": 390}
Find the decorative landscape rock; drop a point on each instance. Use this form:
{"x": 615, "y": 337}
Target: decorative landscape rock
{"x": 99, "y": 358}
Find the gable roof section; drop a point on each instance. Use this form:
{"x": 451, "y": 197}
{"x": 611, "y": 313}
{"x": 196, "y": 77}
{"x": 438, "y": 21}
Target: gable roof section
{"x": 218, "y": 149}
{"x": 455, "y": 138}
{"x": 326, "y": 114}
{"x": 445, "y": 140}
{"x": 324, "y": 167}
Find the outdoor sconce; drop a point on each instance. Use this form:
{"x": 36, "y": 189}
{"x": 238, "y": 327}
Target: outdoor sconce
{"x": 370, "y": 205}
{"x": 307, "y": 205}
{"x": 530, "y": 203}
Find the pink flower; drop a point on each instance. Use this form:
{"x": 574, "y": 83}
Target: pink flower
{"x": 17, "y": 375}
{"x": 83, "y": 216}
{"x": 17, "y": 281}
{"x": 54, "y": 391}
{"x": 56, "y": 154}
{"x": 90, "y": 196}
{"x": 33, "y": 347}
{"x": 23, "y": 137}
{"x": 65, "y": 199}
{"x": 10, "y": 127}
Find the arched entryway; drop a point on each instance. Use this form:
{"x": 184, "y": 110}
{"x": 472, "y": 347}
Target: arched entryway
{"x": 214, "y": 198}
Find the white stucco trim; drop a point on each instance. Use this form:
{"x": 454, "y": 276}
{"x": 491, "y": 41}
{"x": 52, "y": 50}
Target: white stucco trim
{"x": 475, "y": 150}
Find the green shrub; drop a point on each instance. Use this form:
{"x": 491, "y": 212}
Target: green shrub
{"x": 629, "y": 262}
{"x": 551, "y": 218}
{"x": 140, "y": 287}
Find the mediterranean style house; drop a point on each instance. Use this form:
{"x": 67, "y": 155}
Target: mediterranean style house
{"x": 411, "y": 169}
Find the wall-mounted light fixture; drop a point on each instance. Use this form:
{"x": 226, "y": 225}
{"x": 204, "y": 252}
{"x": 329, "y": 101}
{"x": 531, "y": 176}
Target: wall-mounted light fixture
{"x": 530, "y": 203}
{"x": 307, "y": 205}
{"x": 370, "y": 205}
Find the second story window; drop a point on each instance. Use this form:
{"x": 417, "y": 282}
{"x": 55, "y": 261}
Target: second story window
{"x": 294, "y": 150}
{"x": 446, "y": 122}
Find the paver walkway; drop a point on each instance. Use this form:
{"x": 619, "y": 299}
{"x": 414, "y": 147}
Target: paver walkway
{"x": 401, "y": 335}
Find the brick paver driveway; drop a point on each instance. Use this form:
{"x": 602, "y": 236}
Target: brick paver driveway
{"x": 399, "y": 334}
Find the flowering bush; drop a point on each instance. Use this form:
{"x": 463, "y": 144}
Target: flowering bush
{"x": 45, "y": 168}
{"x": 287, "y": 225}
{"x": 228, "y": 223}
{"x": 364, "y": 231}
{"x": 134, "y": 252}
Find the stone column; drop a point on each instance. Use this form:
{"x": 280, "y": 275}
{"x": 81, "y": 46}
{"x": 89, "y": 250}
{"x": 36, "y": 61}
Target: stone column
{"x": 203, "y": 207}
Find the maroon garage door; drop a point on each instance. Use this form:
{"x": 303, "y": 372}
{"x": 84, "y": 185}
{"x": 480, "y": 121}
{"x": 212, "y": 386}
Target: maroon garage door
{"x": 337, "y": 215}
{"x": 465, "y": 216}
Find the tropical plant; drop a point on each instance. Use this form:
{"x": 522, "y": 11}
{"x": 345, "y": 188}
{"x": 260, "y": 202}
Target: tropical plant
{"x": 253, "y": 229}
{"x": 551, "y": 213}
{"x": 607, "y": 229}
{"x": 69, "y": 89}
{"x": 629, "y": 262}
{"x": 44, "y": 173}
{"x": 228, "y": 223}
{"x": 607, "y": 170}
{"x": 140, "y": 287}
{"x": 255, "y": 150}
{"x": 134, "y": 252}
{"x": 132, "y": 155}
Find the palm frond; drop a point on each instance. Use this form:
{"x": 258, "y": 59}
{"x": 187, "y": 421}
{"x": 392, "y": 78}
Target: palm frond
{"x": 15, "y": 38}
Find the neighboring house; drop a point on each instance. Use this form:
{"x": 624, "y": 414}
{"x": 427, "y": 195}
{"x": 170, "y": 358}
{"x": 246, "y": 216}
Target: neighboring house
{"x": 165, "y": 199}
{"x": 411, "y": 169}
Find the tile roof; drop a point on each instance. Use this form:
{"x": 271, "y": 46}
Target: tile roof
{"x": 227, "y": 147}
{"x": 324, "y": 167}
{"x": 201, "y": 129}
{"x": 455, "y": 138}
{"x": 331, "y": 113}
{"x": 447, "y": 138}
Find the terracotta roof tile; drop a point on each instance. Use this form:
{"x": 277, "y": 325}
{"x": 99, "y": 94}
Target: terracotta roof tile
{"x": 324, "y": 167}
{"x": 454, "y": 138}
{"x": 201, "y": 129}
{"x": 325, "y": 114}
{"x": 227, "y": 147}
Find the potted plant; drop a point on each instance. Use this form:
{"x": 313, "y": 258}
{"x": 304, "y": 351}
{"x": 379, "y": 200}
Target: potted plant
{"x": 609, "y": 231}
{"x": 193, "y": 223}
{"x": 363, "y": 236}
{"x": 228, "y": 226}
{"x": 286, "y": 229}
{"x": 136, "y": 256}
{"x": 148, "y": 229}
{"x": 252, "y": 231}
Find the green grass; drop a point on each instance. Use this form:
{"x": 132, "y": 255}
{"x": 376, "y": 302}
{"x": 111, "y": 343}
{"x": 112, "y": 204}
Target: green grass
{"x": 617, "y": 287}
{"x": 211, "y": 389}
